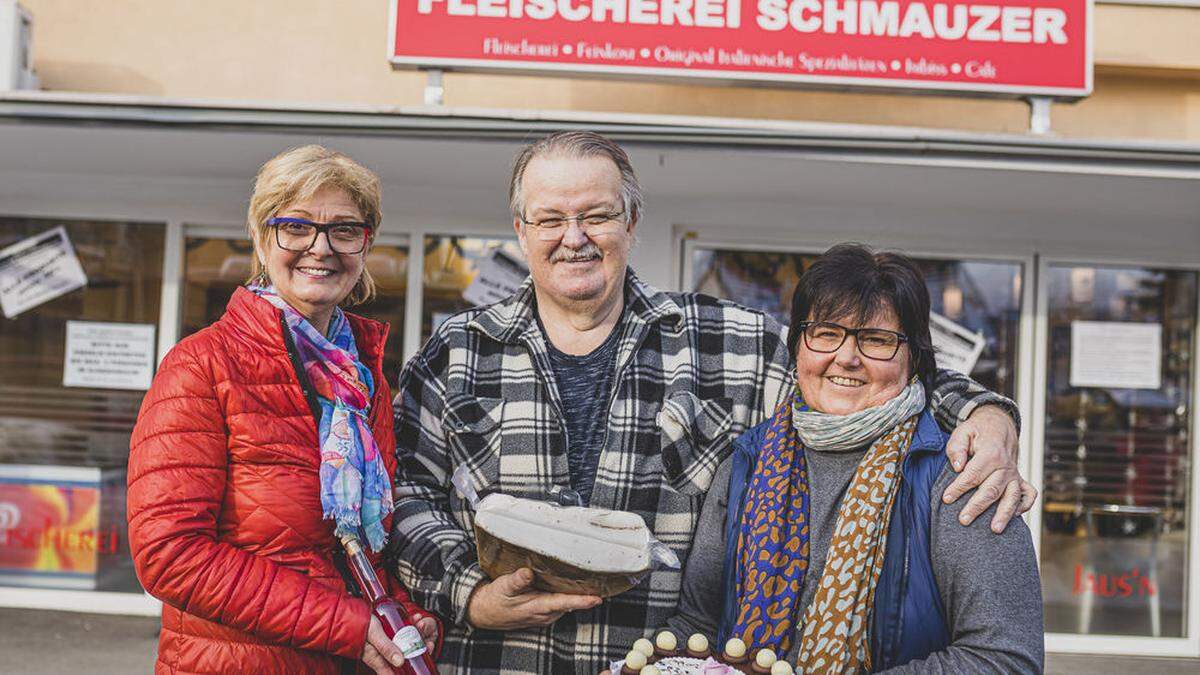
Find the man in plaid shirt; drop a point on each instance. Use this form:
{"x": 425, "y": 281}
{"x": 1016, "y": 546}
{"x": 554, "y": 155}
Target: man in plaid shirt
{"x": 591, "y": 380}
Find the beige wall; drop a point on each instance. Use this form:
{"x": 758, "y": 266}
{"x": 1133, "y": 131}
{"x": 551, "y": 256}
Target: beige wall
{"x": 1147, "y": 78}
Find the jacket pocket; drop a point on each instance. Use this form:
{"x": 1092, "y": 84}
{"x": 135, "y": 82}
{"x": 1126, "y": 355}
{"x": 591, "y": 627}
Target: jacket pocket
{"x": 695, "y": 438}
{"x": 473, "y": 434}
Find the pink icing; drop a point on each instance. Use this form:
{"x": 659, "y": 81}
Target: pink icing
{"x": 714, "y": 667}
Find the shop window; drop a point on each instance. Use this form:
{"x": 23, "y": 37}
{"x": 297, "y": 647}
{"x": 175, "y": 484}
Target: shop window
{"x": 1116, "y": 502}
{"x": 214, "y": 267}
{"x": 463, "y": 272}
{"x": 980, "y": 302}
{"x": 64, "y": 449}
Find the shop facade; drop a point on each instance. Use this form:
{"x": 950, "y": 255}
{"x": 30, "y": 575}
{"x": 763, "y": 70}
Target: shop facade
{"x": 1067, "y": 271}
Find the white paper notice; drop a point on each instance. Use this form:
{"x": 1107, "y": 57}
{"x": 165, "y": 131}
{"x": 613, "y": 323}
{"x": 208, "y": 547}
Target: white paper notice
{"x": 955, "y": 347}
{"x": 109, "y": 355}
{"x": 498, "y": 276}
{"x": 1116, "y": 355}
{"x": 37, "y": 270}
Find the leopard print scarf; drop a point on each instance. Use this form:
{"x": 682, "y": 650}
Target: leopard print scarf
{"x": 773, "y": 544}
{"x": 836, "y": 637}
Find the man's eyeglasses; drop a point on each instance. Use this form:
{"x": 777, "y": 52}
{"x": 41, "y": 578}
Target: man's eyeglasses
{"x": 299, "y": 235}
{"x": 874, "y": 343}
{"x": 592, "y": 224}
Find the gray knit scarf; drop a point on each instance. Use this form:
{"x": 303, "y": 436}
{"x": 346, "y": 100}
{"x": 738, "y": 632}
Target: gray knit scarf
{"x": 842, "y": 433}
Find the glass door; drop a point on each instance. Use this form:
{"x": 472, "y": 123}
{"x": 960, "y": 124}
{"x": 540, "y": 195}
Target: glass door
{"x": 1117, "y": 524}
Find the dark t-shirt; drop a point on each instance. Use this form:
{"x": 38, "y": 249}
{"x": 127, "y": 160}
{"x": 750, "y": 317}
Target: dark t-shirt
{"x": 585, "y": 386}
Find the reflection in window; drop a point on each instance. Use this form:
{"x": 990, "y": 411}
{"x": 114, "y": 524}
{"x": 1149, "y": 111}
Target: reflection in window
{"x": 215, "y": 267}
{"x": 981, "y": 298}
{"x": 453, "y": 264}
{"x": 63, "y": 450}
{"x": 1115, "y": 504}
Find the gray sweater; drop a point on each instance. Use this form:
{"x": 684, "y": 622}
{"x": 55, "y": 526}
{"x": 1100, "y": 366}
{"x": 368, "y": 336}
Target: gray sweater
{"x": 988, "y": 582}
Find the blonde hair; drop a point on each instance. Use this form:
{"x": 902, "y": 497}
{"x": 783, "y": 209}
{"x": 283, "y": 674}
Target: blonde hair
{"x": 297, "y": 174}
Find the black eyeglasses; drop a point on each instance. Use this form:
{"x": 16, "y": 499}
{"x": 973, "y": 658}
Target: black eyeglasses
{"x": 827, "y": 337}
{"x": 299, "y": 235}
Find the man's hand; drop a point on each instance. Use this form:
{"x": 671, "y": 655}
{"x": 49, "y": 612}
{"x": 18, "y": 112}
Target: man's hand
{"x": 510, "y": 602}
{"x": 987, "y": 445}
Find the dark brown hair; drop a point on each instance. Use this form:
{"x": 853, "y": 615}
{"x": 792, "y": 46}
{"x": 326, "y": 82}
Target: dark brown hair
{"x": 851, "y": 280}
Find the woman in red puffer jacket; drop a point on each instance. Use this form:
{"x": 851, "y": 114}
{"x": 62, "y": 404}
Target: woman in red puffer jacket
{"x": 267, "y": 437}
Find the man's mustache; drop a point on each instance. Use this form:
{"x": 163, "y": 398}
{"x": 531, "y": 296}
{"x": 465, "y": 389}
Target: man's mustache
{"x": 564, "y": 254}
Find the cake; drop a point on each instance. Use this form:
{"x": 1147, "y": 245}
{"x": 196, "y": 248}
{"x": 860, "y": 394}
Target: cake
{"x": 664, "y": 657}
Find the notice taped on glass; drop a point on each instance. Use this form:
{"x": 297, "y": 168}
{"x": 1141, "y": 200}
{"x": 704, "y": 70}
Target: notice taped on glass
{"x": 1116, "y": 354}
{"x": 37, "y": 270}
{"x": 109, "y": 355}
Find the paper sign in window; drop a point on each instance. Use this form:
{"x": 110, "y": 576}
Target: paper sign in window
{"x": 956, "y": 347}
{"x": 109, "y": 355}
{"x": 499, "y": 275}
{"x": 1116, "y": 355}
{"x": 37, "y": 270}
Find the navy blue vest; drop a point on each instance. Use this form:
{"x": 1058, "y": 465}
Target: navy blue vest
{"x": 908, "y": 621}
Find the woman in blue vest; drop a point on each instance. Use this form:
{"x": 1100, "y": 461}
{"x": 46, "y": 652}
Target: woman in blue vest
{"x": 824, "y": 537}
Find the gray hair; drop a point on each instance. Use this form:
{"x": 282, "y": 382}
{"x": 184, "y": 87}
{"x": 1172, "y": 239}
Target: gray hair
{"x": 578, "y": 144}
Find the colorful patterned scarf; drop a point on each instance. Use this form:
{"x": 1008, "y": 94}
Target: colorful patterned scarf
{"x": 773, "y": 544}
{"x": 356, "y": 491}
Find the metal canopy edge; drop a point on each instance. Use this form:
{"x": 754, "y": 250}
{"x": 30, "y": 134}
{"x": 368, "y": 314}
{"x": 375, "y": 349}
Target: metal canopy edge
{"x": 853, "y": 142}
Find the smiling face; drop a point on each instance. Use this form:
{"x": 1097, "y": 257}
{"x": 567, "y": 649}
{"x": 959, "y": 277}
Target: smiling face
{"x": 845, "y": 381}
{"x": 315, "y": 281}
{"x": 576, "y": 268}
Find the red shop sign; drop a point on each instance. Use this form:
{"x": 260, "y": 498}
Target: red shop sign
{"x": 1004, "y": 47}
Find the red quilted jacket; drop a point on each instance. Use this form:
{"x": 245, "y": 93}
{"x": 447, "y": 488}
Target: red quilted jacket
{"x": 224, "y": 503}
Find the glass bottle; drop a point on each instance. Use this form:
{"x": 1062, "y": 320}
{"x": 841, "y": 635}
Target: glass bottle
{"x": 396, "y": 621}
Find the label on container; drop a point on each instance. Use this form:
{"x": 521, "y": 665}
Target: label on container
{"x": 408, "y": 639}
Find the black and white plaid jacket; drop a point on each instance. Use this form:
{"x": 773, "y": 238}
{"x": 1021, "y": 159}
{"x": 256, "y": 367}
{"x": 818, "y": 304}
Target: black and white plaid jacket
{"x": 692, "y": 372}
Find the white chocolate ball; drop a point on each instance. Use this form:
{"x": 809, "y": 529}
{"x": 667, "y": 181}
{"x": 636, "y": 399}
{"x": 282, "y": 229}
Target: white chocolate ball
{"x": 635, "y": 660}
{"x": 643, "y": 645}
{"x": 781, "y": 668}
{"x": 765, "y": 658}
{"x": 735, "y": 648}
{"x": 651, "y": 670}
{"x": 666, "y": 641}
{"x": 697, "y": 643}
